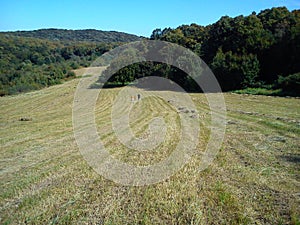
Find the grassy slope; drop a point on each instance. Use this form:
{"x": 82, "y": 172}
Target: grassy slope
{"x": 44, "y": 179}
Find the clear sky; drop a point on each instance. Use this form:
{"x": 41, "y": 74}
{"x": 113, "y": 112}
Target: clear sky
{"x": 136, "y": 17}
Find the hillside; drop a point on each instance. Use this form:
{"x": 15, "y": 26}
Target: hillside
{"x": 256, "y": 54}
{"x": 88, "y": 35}
{"x": 31, "y": 60}
{"x": 45, "y": 180}
{"x": 28, "y": 64}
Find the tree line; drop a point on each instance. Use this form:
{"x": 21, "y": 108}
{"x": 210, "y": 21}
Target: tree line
{"x": 258, "y": 51}
{"x": 255, "y": 51}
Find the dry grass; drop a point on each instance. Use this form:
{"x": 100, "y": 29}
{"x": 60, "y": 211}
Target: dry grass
{"x": 44, "y": 180}
{"x": 88, "y": 71}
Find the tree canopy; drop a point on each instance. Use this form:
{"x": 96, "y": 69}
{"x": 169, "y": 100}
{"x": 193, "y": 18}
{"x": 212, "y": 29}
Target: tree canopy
{"x": 258, "y": 50}
{"x": 88, "y": 35}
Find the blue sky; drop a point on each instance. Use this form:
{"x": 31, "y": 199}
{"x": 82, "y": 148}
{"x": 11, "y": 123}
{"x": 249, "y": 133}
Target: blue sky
{"x": 137, "y": 17}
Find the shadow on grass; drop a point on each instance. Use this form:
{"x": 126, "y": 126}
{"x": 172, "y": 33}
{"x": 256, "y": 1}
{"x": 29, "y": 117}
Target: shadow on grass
{"x": 268, "y": 92}
{"x": 173, "y": 87}
{"x": 293, "y": 158}
{"x": 162, "y": 86}
{"x": 109, "y": 85}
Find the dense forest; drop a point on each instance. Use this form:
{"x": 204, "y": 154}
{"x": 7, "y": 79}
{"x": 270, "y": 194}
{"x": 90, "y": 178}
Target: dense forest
{"x": 30, "y": 63}
{"x": 259, "y": 51}
{"x": 88, "y": 35}
{"x": 255, "y": 52}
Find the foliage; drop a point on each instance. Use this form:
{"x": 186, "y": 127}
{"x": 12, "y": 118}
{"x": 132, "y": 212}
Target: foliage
{"x": 29, "y": 64}
{"x": 130, "y": 71}
{"x": 291, "y": 82}
{"x": 88, "y": 35}
{"x": 245, "y": 51}
{"x": 259, "y": 91}
{"x": 234, "y": 71}
{"x": 289, "y": 85}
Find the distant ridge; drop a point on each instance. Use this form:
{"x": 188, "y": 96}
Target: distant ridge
{"x": 87, "y": 35}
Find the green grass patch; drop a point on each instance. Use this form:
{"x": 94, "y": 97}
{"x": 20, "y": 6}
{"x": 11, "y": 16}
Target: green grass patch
{"x": 259, "y": 91}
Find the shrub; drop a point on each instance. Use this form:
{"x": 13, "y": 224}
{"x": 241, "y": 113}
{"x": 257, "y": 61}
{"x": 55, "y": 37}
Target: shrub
{"x": 290, "y": 83}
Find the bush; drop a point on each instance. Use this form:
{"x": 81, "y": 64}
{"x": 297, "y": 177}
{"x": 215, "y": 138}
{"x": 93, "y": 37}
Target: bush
{"x": 259, "y": 91}
{"x": 290, "y": 83}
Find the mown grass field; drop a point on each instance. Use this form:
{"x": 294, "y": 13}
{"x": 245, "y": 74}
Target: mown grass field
{"x": 254, "y": 179}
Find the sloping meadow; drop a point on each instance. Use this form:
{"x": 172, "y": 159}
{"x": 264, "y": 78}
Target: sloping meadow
{"x": 45, "y": 180}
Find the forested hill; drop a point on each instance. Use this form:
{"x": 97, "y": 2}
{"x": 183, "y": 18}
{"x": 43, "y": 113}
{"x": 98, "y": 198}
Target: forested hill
{"x": 89, "y": 35}
{"x": 260, "y": 50}
{"x": 257, "y": 53}
{"x": 31, "y": 63}
{"x": 31, "y": 60}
